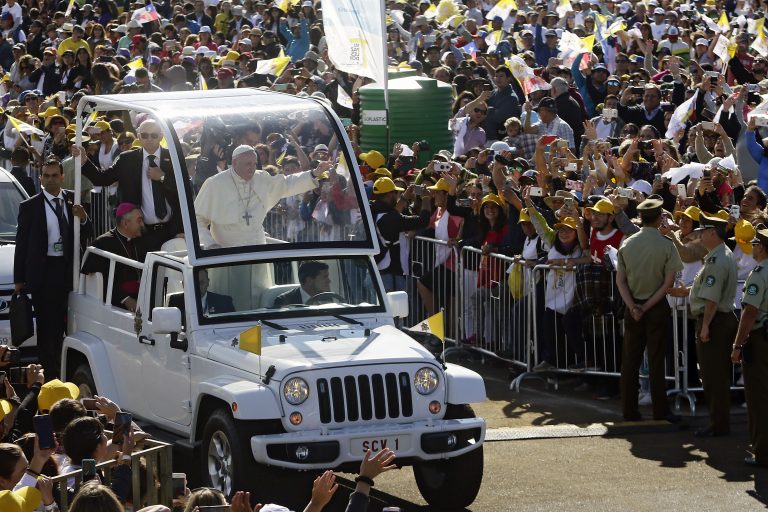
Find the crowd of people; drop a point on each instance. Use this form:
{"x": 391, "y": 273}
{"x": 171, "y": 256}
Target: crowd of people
{"x": 591, "y": 136}
{"x": 47, "y": 430}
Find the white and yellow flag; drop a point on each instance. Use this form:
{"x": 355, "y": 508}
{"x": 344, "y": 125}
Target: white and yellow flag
{"x": 434, "y": 325}
{"x": 354, "y": 31}
{"x": 501, "y": 9}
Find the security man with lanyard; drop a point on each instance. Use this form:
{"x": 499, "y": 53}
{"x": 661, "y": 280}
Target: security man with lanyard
{"x": 750, "y": 348}
{"x": 712, "y": 295}
{"x": 647, "y": 265}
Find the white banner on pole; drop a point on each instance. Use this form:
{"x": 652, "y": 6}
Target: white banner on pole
{"x": 355, "y": 36}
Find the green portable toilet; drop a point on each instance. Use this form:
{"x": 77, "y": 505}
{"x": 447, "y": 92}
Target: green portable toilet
{"x": 419, "y": 109}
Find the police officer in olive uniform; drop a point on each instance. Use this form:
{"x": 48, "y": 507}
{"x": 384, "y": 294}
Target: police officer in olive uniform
{"x": 712, "y": 295}
{"x": 648, "y": 263}
{"x": 750, "y": 348}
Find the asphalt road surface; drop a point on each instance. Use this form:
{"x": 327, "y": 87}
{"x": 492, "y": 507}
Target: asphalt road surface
{"x": 552, "y": 448}
{"x": 564, "y": 450}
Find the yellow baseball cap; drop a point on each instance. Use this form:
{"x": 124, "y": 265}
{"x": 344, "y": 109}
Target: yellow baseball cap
{"x": 373, "y": 159}
{"x": 55, "y": 390}
{"x": 384, "y": 186}
{"x": 381, "y": 172}
{"x": 25, "y": 499}
{"x": 103, "y": 126}
{"x": 50, "y": 111}
{"x": 602, "y": 206}
{"x": 692, "y": 212}
{"x": 492, "y": 198}
{"x": 441, "y": 185}
{"x": 5, "y": 408}
{"x": 568, "y": 222}
{"x": 524, "y": 217}
{"x": 744, "y": 232}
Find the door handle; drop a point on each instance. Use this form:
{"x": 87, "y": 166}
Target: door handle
{"x": 146, "y": 340}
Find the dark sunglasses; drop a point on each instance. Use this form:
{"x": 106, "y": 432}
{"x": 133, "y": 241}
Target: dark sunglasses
{"x": 480, "y": 111}
{"x": 149, "y": 135}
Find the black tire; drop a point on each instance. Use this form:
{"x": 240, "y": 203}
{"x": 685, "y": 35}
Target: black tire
{"x": 83, "y": 378}
{"x": 292, "y": 488}
{"x": 228, "y": 474}
{"x": 451, "y": 484}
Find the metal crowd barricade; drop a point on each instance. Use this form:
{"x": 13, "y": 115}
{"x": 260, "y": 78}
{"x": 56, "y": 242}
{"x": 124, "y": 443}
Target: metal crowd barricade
{"x": 684, "y": 338}
{"x": 496, "y": 295}
{"x": 682, "y": 363}
{"x": 432, "y": 283}
{"x": 158, "y": 483}
{"x": 565, "y": 339}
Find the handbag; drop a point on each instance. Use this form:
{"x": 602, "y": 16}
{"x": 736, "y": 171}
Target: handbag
{"x": 22, "y": 319}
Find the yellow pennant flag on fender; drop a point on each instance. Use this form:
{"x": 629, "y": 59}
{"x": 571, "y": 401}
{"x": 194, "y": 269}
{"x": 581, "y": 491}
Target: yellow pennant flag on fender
{"x": 250, "y": 340}
{"x": 434, "y": 325}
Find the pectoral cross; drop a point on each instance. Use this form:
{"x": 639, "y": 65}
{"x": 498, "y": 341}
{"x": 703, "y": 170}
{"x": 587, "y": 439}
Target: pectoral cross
{"x": 247, "y": 218}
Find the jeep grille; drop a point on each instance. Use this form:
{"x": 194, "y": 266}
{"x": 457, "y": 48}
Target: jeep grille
{"x": 365, "y": 397}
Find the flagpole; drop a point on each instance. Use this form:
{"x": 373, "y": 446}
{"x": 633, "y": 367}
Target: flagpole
{"x": 442, "y": 356}
{"x": 385, "y": 63}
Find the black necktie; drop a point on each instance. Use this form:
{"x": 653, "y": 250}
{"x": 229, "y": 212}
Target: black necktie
{"x": 157, "y": 194}
{"x": 63, "y": 226}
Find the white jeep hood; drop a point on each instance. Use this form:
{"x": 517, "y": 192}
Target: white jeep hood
{"x": 323, "y": 349}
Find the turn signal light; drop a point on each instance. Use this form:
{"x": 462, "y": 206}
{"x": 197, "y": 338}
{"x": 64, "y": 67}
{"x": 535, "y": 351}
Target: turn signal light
{"x": 296, "y": 418}
{"x": 435, "y": 407}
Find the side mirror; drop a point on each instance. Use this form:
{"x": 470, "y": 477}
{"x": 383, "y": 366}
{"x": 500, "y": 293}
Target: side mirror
{"x": 168, "y": 321}
{"x": 398, "y": 304}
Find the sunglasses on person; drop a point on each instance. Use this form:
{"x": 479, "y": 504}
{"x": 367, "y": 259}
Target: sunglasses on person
{"x": 149, "y": 135}
{"x": 481, "y": 111}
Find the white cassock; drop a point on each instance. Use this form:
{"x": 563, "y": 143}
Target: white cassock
{"x": 230, "y": 211}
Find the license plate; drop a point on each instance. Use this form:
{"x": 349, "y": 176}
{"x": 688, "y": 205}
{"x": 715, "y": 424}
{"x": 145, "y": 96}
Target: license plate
{"x": 376, "y": 444}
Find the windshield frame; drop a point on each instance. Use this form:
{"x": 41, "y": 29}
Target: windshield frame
{"x": 148, "y": 103}
{"x": 276, "y": 314}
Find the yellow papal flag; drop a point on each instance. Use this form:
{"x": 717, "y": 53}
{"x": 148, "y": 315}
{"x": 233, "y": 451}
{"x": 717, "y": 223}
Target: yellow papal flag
{"x": 27, "y": 128}
{"x": 723, "y": 21}
{"x": 136, "y": 64}
{"x": 250, "y": 340}
{"x": 434, "y": 325}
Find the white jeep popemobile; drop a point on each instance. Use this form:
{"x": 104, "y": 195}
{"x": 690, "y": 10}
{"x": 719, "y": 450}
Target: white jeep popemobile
{"x": 335, "y": 376}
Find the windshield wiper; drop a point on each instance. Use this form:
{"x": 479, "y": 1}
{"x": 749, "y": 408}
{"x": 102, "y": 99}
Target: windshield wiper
{"x": 7, "y": 241}
{"x": 273, "y": 325}
{"x": 347, "y": 319}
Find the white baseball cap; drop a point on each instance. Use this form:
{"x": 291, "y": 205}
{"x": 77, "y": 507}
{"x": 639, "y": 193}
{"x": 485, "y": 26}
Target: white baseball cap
{"x": 673, "y": 31}
{"x": 703, "y": 41}
{"x": 642, "y": 186}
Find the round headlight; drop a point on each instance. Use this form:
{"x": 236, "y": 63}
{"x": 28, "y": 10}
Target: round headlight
{"x": 425, "y": 381}
{"x": 296, "y": 391}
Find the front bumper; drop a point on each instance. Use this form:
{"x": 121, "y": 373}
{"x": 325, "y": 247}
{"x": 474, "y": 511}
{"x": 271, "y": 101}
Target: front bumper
{"x": 422, "y": 440}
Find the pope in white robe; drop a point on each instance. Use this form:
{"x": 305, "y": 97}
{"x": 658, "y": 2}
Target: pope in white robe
{"x": 232, "y": 205}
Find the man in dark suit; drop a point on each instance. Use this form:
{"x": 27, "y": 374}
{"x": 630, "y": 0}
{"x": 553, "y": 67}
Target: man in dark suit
{"x": 200, "y": 16}
{"x": 145, "y": 178}
{"x": 43, "y": 259}
{"x": 212, "y": 303}
{"x": 19, "y": 162}
{"x": 126, "y": 240}
{"x": 314, "y": 278}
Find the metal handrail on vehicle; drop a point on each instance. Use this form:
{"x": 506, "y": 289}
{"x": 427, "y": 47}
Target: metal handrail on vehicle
{"x": 113, "y": 259}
